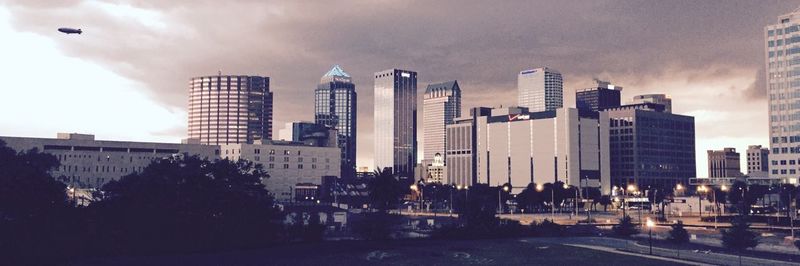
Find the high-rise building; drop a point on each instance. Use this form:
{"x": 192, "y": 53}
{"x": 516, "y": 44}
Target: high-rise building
{"x": 661, "y": 99}
{"x": 441, "y": 104}
{"x": 603, "y": 96}
{"x": 723, "y": 163}
{"x": 335, "y": 107}
{"x": 230, "y": 109}
{"x": 396, "y": 121}
{"x": 757, "y": 160}
{"x": 782, "y": 47}
{"x": 517, "y": 147}
{"x": 540, "y": 89}
{"x": 650, "y": 147}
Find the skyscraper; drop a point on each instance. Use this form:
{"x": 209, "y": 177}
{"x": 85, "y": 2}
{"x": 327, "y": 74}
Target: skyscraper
{"x": 661, "y": 99}
{"x": 441, "y": 104}
{"x": 335, "y": 107}
{"x": 230, "y": 109}
{"x": 396, "y": 121}
{"x": 603, "y": 96}
{"x": 540, "y": 89}
{"x": 782, "y": 47}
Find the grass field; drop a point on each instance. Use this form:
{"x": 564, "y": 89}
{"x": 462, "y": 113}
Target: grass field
{"x": 406, "y": 252}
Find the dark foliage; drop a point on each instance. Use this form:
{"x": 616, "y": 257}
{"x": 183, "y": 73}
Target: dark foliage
{"x": 739, "y": 237}
{"x": 36, "y": 219}
{"x": 547, "y": 228}
{"x": 376, "y": 225}
{"x": 308, "y": 229}
{"x": 625, "y": 227}
{"x": 385, "y": 190}
{"x": 187, "y": 205}
{"x": 678, "y": 235}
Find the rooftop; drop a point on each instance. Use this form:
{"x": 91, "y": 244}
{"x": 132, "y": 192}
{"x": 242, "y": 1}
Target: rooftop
{"x": 336, "y": 71}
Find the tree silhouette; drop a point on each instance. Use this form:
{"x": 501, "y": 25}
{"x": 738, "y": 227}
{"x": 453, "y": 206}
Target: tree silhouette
{"x": 739, "y": 237}
{"x": 187, "y": 205}
{"x": 678, "y": 235}
{"x": 385, "y": 191}
{"x": 36, "y": 220}
{"x": 625, "y": 227}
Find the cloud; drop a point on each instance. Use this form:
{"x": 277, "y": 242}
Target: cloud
{"x": 640, "y": 45}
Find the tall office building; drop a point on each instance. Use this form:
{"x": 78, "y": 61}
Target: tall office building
{"x": 782, "y": 52}
{"x": 230, "y": 109}
{"x": 650, "y": 146}
{"x": 757, "y": 160}
{"x": 441, "y": 104}
{"x": 335, "y": 107}
{"x": 661, "y": 99}
{"x": 723, "y": 163}
{"x": 598, "y": 98}
{"x": 540, "y": 89}
{"x": 396, "y": 121}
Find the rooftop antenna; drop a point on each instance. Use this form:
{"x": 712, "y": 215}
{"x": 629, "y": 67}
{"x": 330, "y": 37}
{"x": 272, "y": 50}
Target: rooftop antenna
{"x": 219, "y": 72}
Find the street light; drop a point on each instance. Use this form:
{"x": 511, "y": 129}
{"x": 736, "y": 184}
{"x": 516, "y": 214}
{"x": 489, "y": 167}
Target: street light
{"x": 701, "y": 189}
{"x": 415, "y": 188}
{"x": 499, "y": 201}
{"x": 650, "y": 225}
{"x": 540, "y": 188}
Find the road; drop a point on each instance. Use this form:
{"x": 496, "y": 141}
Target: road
{"x": 632, "y": 246}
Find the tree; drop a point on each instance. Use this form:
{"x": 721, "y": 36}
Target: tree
{"x": 605, "y": 200}
{"x": 187, "y": 204}
{"x": 739, "y": 237}
{"x": 36, "y": 219}
{"x": 625, "y": 227}
{"x": 678, "y": 235}
{"x": 385, "y": 191}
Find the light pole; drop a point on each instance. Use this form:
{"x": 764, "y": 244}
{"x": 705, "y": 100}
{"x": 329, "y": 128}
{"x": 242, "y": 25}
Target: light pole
{"x": 540, "y": 188}
{"x": 499, "y": 200}
{"x": 701, "y": 190}
{"x": 632, "y": 188}
{"x": 650, "y": 225}
{"x": 451, "y": 201}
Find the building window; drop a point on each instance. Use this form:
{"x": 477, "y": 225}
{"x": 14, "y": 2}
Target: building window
{"x": 299, "y": 166}
{"x": 286, "y": 166}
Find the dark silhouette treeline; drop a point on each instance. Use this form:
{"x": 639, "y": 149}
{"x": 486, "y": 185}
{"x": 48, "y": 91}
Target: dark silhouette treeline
{"x": 174, "y": 205}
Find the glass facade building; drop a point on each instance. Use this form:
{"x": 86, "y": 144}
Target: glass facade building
{"x": 335, "y": 107}
{"x": 230, "y": 109}
{"x": 650, "y": 148}
{"x": 782, "y": 53}
{"x": 540, "y": 89}
{"x": 599, "y": 98}
{"x": 396, "y": 121}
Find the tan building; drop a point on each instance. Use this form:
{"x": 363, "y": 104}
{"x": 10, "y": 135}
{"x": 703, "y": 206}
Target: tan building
{"x": 230, "y": 109}
{"x": 723, "y": 163}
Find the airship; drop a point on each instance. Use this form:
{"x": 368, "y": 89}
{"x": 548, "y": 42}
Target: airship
{"x": 70, "y": 30}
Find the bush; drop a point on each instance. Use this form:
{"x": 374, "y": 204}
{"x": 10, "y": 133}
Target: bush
{"x": 739, "y": 237}
{"x": 546, "y": 228}
{"x": 625, "y": 228}
{"x": 678, "y": 235}
{"x": 376, "y": 225}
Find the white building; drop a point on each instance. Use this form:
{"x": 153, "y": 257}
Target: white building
{"x": 540, "y": 89}
{"x": 288, "y": 163}
{"x": 89, "y": 163}
{"x": 512, "y": 145}
{"x": 782, "y": 53}
{"x": 441, "y": 104}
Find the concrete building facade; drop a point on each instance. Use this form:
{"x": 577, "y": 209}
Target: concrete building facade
{"x": 724, "y": 163}
{"x": 230, "y": 109}
{"x": 441, "y": 104}
{"x": 757, "y": 160}
{"x": 518, "y": 147}
{"x": 782, "y": 63}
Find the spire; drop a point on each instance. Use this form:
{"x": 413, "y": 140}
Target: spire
{"x": 336, "y": 71}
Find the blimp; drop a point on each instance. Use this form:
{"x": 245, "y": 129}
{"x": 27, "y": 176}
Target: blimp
{"x": 70, "y": 30}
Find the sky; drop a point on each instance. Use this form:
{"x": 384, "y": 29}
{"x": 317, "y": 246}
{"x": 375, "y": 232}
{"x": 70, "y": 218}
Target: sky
{"x": 126, "y": 77}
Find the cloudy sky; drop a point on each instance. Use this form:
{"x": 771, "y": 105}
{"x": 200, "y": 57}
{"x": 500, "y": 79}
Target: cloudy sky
{"x": 126, "y": 77}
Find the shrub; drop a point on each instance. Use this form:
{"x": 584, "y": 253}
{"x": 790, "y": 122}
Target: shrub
{"x": 625, "y": 228}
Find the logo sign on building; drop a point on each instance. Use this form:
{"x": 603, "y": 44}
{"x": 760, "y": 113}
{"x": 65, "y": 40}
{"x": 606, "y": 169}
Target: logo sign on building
{"x": 528, "y": 72}
{"x": 518, "y": 117}
{"x": 405, "y": 74}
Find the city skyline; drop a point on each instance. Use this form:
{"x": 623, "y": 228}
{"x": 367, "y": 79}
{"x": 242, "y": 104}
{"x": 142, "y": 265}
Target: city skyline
{"x": 731, "y": 71}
